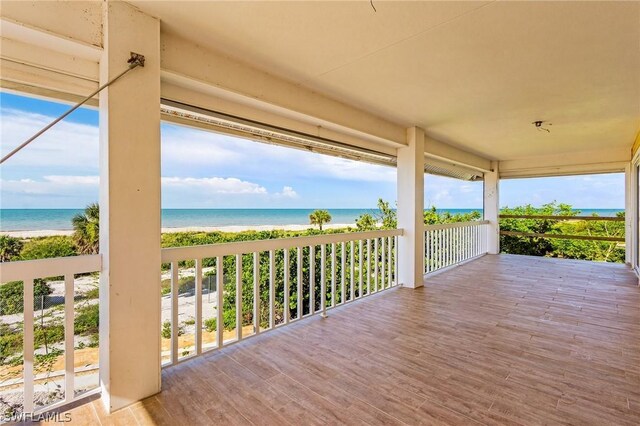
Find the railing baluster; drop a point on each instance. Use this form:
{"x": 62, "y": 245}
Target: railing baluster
{"x": 286, "y": 286}
{"x": 175, "y": 287}
{"x": 368, "y": 266}
{"x": 333, "y": 274}
{"x": 383, "y": 263}
{"x": 323, "y": 279}
{"x": 219, "y": 301}
{"x": 376, "y": 267}
{"x": 397, "y": 254}
{"x": 460, "y": 245}
{"x": 69, "y": 373}
{"x": 343, "y": 267}
{"x": 433, "y": 250}
{"x": 440, "y": 248}
{"x": 28, "y": 349}
{"x": 452, "y": 246}
{"x": 360, "y": 266}
{"x": 390, "y": 262}
{"x": 239, "y": 297}
{"x": 352, "y": 269}
{"x": 427, "y": 251}
{"x": 463, "y": 246}
{"x": 312, "y": 280}
{"x": 198, "y": 310}
{"x": 299, "y": 284}
{"x": 256, "y": 292}
{"x": 272, "y": 289}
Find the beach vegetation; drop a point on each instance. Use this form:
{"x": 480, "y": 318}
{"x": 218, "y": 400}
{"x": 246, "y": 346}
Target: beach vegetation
{"x": 12, "y": 295}
{"x": 46, "y": 247}
{"x": 605, "y": 251}
{"x": 87, "y": 319}
{"x": 10, "y": 248}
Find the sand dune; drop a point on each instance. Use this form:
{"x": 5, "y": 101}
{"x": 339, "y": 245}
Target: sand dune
{"x": 54, "y": 232}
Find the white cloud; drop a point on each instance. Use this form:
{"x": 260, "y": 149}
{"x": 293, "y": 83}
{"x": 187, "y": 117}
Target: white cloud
{"x": 52, "y": 185}
{"x": 185, "y": 147}
{"x": 340, "y": 168}
{"x": 287, "y": 192}
{"x": 214, "y": 185}
{"x": 66, "y": 144}
{"x": 73, "y": 180}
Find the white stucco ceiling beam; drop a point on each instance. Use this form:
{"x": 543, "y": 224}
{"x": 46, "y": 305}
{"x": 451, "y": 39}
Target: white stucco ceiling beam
{"x": 442, "y": 151}
{"x": 188, "y": 61}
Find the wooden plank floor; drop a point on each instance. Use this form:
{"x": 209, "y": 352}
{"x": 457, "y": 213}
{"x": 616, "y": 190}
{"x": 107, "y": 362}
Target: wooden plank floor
{"x": 500, "y": 340}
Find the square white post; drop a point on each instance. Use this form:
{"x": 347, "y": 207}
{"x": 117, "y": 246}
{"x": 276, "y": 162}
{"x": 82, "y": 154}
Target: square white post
{"x": 630, "y": 214}
{"x": 129, "y": 208}
{"x": 411, "y": 210}
{"x": 492, "y": 208}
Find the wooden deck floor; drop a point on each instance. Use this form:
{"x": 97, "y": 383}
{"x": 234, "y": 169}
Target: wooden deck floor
{"x": 501, "y": 340}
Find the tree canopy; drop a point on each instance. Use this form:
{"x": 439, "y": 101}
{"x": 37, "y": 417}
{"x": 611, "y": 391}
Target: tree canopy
{"x": 319, "y": 217}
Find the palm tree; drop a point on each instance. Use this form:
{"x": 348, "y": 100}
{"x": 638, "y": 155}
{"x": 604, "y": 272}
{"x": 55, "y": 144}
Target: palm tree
{"x": 319, "y": 217}
{"x": 86, "y": 228}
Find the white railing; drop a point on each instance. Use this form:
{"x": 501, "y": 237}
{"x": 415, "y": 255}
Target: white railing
{"x": 266, "y": 284}
{"x": 47, "y": 376}
{"x": 451, "y": 243}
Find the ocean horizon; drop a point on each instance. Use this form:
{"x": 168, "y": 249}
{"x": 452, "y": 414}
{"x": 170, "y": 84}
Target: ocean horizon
{"x": 60, "y": 219}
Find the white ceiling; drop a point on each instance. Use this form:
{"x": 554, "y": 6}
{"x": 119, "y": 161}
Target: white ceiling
{"x": 473, "y": 74}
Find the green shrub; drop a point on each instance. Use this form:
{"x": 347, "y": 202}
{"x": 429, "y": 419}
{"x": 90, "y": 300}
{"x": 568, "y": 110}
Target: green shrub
{"x": 93, "y": 293}
{"x": 166, "y": 329}
{"x": 12, "y": 296}
{"x": 48, "y": 334}
{"x": 44, "y": 248}
{"x": 10, "y": 342}
{"x": 87, "y": 319}
{"x": 211, "y": 324}
{"x": 229, "y": 319}
{"x": 10, "y": 248}
{"x": 185, "y": 285}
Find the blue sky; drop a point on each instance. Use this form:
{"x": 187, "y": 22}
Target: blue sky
{"x": 207, "y": 170}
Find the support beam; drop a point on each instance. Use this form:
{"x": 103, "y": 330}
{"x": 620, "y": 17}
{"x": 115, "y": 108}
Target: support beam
{"x": 492, "y": 208}
{"x": 411, "y": 209}
{"x": 129, "y": 209}
{"x": 186, "y": 63}
{"x": 442, "y": 151}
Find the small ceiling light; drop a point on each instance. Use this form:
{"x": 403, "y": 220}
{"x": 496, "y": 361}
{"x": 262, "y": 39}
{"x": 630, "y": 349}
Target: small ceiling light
{"x": 539, "y": 123}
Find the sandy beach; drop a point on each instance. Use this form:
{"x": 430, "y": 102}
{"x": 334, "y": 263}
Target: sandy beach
{"x": 54, "y": 232}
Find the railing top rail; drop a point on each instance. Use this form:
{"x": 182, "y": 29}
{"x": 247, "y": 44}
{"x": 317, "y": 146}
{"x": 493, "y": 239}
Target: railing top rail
{"x": 175, "y": 254}
{"x": 42, "y": 268}
{"x": 555, "y": 217}
{"x": 564, "y": 236}
{"x": 455, "y": 225}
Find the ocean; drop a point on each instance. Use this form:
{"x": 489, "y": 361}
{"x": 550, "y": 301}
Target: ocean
{"x": 60, "y": 219}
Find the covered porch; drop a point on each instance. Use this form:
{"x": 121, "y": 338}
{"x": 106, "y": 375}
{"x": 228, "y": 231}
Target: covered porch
{"x": 502, "y": 339}
{"x": 423, "y": 324}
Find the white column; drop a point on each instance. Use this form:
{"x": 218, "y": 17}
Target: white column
{"x": 411, "y": 209}
{"x": 631, "y": 220}
{"x": 129, "y": 209}
{"x": 492, "y": 207}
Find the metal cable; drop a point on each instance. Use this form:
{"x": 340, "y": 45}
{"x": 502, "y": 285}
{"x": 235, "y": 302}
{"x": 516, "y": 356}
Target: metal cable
{"x": 134, "y": 61}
